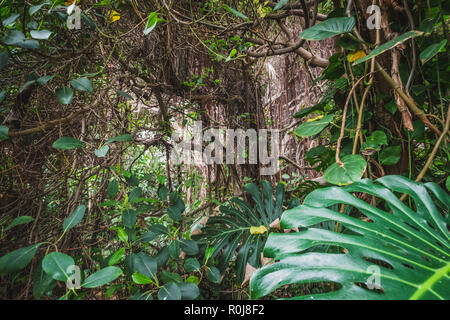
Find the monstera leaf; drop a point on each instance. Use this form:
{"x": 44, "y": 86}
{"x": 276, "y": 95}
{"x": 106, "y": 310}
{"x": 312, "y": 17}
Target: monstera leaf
{"x": 391, "y": 251}
{"x": 243, "y": 229}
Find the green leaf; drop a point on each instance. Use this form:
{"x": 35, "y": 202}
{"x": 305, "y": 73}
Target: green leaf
{"x": 312, "y": 128}
{"x": 213, "y": 275}
{"x": 145, "y": 264}
{"x": 102, "y": 277}
{"x": 158, "y": 229}
{"x": 167, "y": 276}
{"x": 4, "y": 57}
{"x": 17, "y": 38}
{"x": 67, "y": 143}
{"x": 41, "y": 34}
{"x": 147, "y": 236}
{"x": 64, "y": 95}
{"x": 191, "y": 265}
{"x": 112, "y": 189}
{"x": 389, "y": 45}
{"x": 82, "y": 84}
{"x": 174, "y": 213}
{"x": 116, "y": 257}
{"x": 4, "y": 133}
{"x": 391, "y": 107}
{"x": 121, "y": 234}
{"x": 42, "y": 282}
{"x": 122, "y": 138}
{"x": 329, "y": 28}
{"x": 163, "y": 192}
{"x": 431, "y": 51}
{"x": 447, "y": 183}
{"x": 170, "y": 291}
{"x": 189, "y": 290}
{"x": 101, "y": 152}
{"x": 152, "y": 22}
{"x": 140, "y": 278}
{"x": 235, "y": 12}
{"x": 17, "y": 259}
{"x": 10, "y": 20}
{"x": 129, "y": 218}
{"x": 189, "y": 247}
{"x": 352, "y": 170}
{"x": 43, "y": 80}
{"x": 134, "y": 195}
{"x": 74, "y": 218}
{"x": 125, "y": 95}
{"x": 56, "y": 264}
{"x": 174, "y": 249}
{"x": 390, "y": 155}
{"x": 405, "y": 245}
{"x": 35, "y": 8}
{"x": 18, "y": 221}
{"x": 305, "y": 111}
{"x": 280, "y": 5}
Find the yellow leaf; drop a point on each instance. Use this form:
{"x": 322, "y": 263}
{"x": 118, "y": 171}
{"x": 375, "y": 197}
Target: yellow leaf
{"x": 315, "y": 119}
{"x": 258, "y": 230}
{"x": 113, "y": 15}
{"x": 356, "y": 55}
{"x": 69, "y": 2}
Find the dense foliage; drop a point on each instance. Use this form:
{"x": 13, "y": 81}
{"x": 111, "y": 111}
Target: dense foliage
{"x": 93, "y": 204}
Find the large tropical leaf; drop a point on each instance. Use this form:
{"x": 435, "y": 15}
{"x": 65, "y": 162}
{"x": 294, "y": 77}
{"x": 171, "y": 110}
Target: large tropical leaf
{"x": 329, "y": 28}
{"x": 408, "y": 246}
{"x": 242, "y": 229}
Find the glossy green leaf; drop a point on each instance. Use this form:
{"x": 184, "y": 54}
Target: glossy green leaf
{"x": 406, "y": 248}
{"x": 102, "y": 277}
{"x": 189, "y": 290}
{"x": 352, "y": 170}
{"x": 41, "y": 34}
{"x": 213, "y": 275}
{"x": 163, "y": 192}
{"x": 147, "y": 236}
{"x": 140, "y": 278}
{"x": 33, "y": 9}
{"x": 167, "y": 277}
{"x": 116, "y": 257}
{"x": 312, "y": 128}
{"x": 17, "y": 259}
{"x": 389, "y": 45}
{"x": 19, "y": 221}
{"x": 431, "y": 51}
{"x": 170, "y": 291}
{"x": 56, "y": 265}
{"x": 158, "y": 229}
{"x": 82, "y": 84}
{"x": 329, "y": 28}
{"x": 189, "y": 247}
{"x": 64, "y": 95}
{"x": 10, "y": 20}
{"x": 75, "y": 218}
{"x": 174, "y": 249}
{"x": 191, "y": 265}
{"x": 145, "y": 264}
{"x": 280, "y": 4}
{"x": 112, "y": 189}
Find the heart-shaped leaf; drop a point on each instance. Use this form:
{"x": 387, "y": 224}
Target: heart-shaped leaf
{"x": 352, "y": 170}
{"x": 329, "y": 28}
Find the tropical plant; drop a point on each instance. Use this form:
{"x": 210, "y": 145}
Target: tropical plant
{"x": 242, "y": 228}
{"x": 388, "y": 251}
